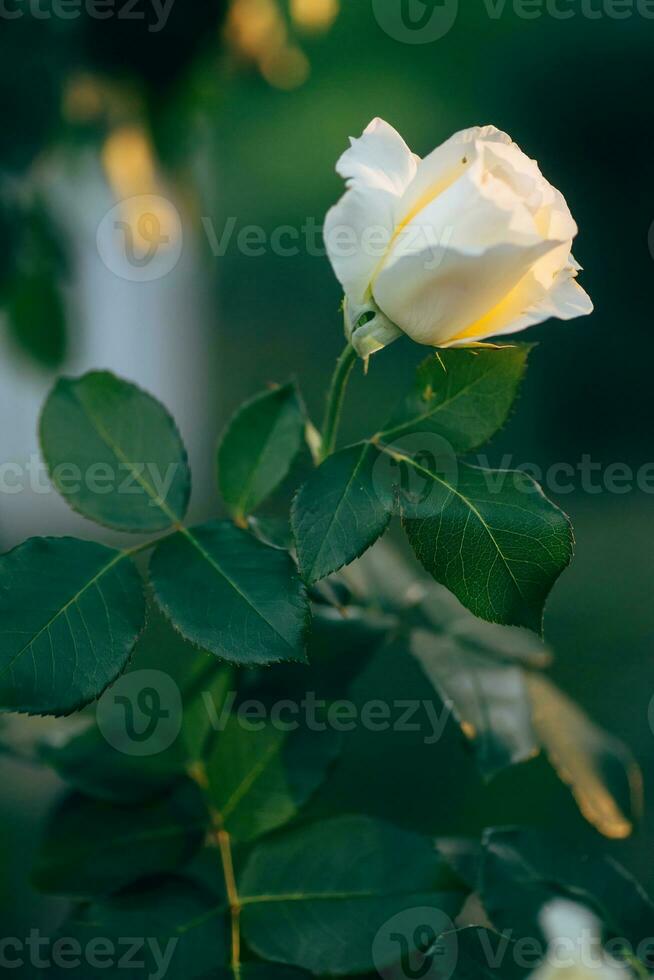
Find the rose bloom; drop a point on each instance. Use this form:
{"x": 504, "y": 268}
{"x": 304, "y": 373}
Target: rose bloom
{"x": 471, "y": 242}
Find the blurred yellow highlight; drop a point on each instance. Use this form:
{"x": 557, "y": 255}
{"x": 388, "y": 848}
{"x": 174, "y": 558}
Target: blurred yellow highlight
{"x": 130, "y": 167}
{"x": 84, "y": 99}
{"x": 128, "y": 162}
{"x": 314, "y": 16}
{"x": 287, "y": 68}
{"x": 256, "y": 27}
{"x": 258, "y": 31}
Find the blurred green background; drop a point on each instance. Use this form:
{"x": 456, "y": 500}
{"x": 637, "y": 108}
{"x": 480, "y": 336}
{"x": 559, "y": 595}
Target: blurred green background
{"x": 244, "y": 113}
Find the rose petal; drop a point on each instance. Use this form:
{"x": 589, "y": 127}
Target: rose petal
{"x": 464, "y": 252}
{"x": 378, "y": 166}
{"x": 379, "y": 158}
{"x": 531, "y": 303}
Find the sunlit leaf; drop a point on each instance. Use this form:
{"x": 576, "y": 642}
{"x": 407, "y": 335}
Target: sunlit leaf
{"x": 602, "y": 774}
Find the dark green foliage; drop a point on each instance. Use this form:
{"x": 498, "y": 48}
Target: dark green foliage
{"x": 70, "y": 613}
{"x": 114, "y": 453}
{"x": 211, "y": 805}
{"x": 258, "y": 448}
{"x": 237, "y": 597}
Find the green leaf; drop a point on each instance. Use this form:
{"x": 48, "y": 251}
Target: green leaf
{"x": 70, "y": 614}
{"x": 258, "y": 447}
{"x": 603, "y": 776}
{"x": 114, "y": 453}
{"x": 392, "y": 579}
{"x": 254, "y": 970}
{"x": 94, "y": 760}
{"x": 259, "y": 778}
{"x": 489, "y": 700}
{"x": 87, "y": 762}
{"x": 161, "y": 647}
{"x": 179, "y": 933}
{"x": 95, "y": 848}
{"x": 34, "y": 265}
{"x": 342, "y": 878}
{"x": 273, "y": 531}
{"x": 37, "y": 319}
{"x": 339, "y": 512}
{"x": 492, "y": 538}
{"x": 230, "y": 594}
{"x": 506, "y": 643}
{"x": 464, "y": 396}
{"x": 523, "y": 869}
{"x": 463, "y": 855}
{"x": 340, "y": 644}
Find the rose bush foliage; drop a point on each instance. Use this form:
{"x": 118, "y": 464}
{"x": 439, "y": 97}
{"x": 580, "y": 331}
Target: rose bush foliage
{"x": 229, "y": 840}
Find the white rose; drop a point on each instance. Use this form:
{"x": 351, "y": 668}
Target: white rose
{"x": 469, "y": 243}
{"x": 574, "y": 946}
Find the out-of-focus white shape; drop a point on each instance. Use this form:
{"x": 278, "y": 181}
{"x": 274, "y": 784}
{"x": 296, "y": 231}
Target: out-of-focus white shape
{"x": 156, "y": 333}
{"x": 575, "y": 949}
